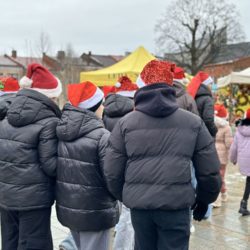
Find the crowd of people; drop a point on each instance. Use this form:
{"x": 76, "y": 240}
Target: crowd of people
{"x": 139, "y": 162}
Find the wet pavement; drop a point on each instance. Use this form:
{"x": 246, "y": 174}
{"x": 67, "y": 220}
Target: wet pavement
{"x": 225, "y": 230}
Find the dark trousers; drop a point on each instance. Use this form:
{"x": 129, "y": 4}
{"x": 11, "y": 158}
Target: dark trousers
{"x": 26, "y": 230}
{"x": 247, "y": 189}
{"x": 161, "y": 230}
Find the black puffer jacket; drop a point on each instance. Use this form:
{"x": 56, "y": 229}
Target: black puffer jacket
{"x": 115, "y": 107}
{"x": 205, "y": 105}
{"x": 147, "y": 164}
{"x": 5, "y": 101}
{"x": 184, "y": 100}
{"x": 28, "y": 149}
{"x": 83, "y": 202}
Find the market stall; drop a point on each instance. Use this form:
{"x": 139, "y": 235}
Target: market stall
{"x": 130, "y": 66}
{"x": 234, "y": 90}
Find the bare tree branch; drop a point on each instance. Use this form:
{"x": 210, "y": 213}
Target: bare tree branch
{"x": 195, "y": 29}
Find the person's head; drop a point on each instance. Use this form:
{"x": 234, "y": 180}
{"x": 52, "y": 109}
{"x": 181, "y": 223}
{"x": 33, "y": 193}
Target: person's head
{"x": 42, "y": 80}
{"x": 86, "y": 95}
{"x": 201, "y": 78}
{"x": 156, "y": 72}
{"x": 125, "y": 87}
{"x": 247, "y": 114}
{"x": 179, "y": 76}
{"x": 8, "y": 85}
{"x": 220, "y": 111}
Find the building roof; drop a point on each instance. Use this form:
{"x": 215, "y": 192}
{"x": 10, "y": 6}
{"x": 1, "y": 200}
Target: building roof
{"x": 25, "y": 61}
{"x": 102, "y": 60}
{"x": 231, "y": 52}
{"x": 5, "y": 61}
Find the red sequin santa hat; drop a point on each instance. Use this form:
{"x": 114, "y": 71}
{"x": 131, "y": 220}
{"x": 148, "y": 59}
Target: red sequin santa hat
{"x": 179, "y": 75}
{"x": 247, "y": 114}
{"x": 156, "y": 72}
{"x": 42, "y": 80}
{"x": 220, "y": 111}
{"x": 125, "y": 87}
{"x": 85, "y": 95}
{"x": 8, "y": 85}
{"x": 200, "y": 78}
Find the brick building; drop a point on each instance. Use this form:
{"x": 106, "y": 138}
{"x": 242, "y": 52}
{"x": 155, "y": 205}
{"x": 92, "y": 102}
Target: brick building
{"x": 229, "y": 58}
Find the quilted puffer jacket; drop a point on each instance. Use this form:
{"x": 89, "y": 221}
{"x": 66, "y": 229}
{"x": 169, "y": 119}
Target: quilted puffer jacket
{"x": 147, "y": 165}
{"x": 28, "y": 146}
{"x": 205, "y": 105}
{"x": 184, "y": 100}
{"x": 83, "y": 202}
{"x": 240, "y": 149}
{"x": 223, "y": 139}
{"x": 115, "y": 107}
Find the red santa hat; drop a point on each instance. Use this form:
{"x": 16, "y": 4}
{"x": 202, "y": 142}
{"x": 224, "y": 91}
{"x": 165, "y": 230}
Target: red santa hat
{"x": 8, "y": 85}
{"x": 40, "y": 79}
{"x": 156, "y": 72}
{"x": 200, "y": 78}
{"x": 247, "y": 114}
{"x": 179, "y": 75}
{"x": 220, "y": 111}
{"x": 84, "y": 95}
{"x": 125, "y": 87}
{"x": 108, "y": 90}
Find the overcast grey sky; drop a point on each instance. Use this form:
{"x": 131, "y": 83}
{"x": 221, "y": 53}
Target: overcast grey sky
{"x": 102, "y": 26}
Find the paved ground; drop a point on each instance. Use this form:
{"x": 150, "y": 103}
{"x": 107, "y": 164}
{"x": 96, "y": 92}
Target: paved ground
{"x": 225, "y": 230}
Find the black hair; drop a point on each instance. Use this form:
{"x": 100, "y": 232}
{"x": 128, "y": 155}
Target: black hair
{"x": 93, "y": 109}
{"x": 245, "y": 122}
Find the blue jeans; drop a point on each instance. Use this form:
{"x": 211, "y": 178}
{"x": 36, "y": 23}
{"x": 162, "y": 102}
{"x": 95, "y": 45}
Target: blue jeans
{"x": 194, "y": 183}
{"x": 68, "y": 243}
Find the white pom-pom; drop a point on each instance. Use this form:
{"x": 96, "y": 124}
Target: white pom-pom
{"x": 25, "y": 82}
{"x": 118, "y": 85}
{"x": 185, "y": 81}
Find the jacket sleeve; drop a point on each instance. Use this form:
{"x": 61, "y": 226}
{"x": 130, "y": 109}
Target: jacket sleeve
{"x": 234, "y": 150}
{"x": 208, "y": 116}
{"x": 228, "y": 137}
{"x": 192, "y": 107}
{"x": 115, "y": 162}
{"x": 102, "y": 147}
{"x": 47, "y": 148}
{"x": 207, "y": 167}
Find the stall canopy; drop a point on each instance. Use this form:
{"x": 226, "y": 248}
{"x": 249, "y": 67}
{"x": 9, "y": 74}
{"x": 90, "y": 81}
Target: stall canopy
{"x": 130, "y": 66}
{"x": 242, "y": 77}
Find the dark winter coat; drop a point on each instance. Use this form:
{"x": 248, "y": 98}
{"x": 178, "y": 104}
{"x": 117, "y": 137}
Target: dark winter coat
{"x": 184, "y": 100}
{"x": 5, "y": 101}
{"x": 28, "y": 149}
{"x": 147, "y": 165}
{"x": 83, "y": 202}
{"x": 115, "y": 107}
{"x": 205, "y": 105}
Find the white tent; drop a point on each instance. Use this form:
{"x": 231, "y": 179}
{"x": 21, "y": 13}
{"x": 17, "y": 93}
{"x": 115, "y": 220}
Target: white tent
{"x": 242, "y": 77}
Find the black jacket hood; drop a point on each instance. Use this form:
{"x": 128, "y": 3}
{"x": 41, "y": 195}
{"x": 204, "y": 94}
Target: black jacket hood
{"x": 30, "y": 106}
{"x": 203, "y": 91}
{"x": 156, "y": 100}
{"x": 117, "y": 105}
{"x": 76, "y": 122}
{"x": 179, "y": 89}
